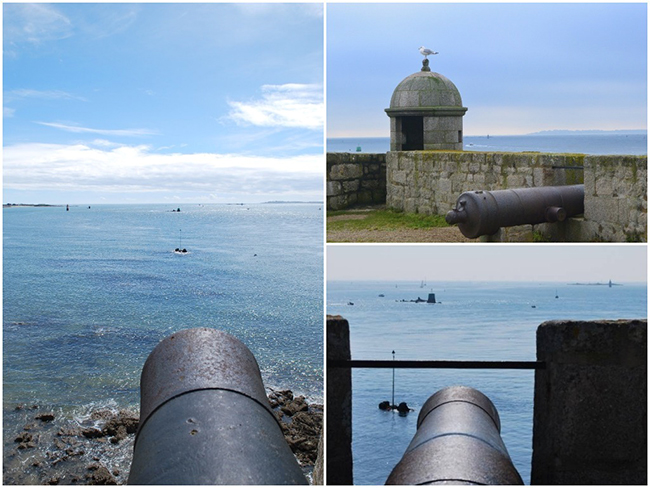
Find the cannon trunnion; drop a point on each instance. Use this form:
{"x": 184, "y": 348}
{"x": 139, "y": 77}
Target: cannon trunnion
{"x": 480, "y": 213}
{"x": 457, "y": 442}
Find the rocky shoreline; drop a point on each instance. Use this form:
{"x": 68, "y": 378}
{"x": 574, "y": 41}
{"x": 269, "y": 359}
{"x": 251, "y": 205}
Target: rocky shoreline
{"x": 50, "y": 449}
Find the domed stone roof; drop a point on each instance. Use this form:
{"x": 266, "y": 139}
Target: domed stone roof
{"x": 425, "y": 89}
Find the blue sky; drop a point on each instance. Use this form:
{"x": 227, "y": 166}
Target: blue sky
{"x": 528, "y": 263}
{"x": 520, "y": 68}
{"x": 130, "y": 103}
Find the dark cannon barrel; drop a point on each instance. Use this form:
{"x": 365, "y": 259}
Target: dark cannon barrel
{"x": 205, "y": 417}
{"x": 480, "y": 213}
{"x": 457, "y": 441}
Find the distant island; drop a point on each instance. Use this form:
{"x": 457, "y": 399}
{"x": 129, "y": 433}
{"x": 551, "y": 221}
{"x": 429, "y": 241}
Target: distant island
{"x": 588, "y": 132}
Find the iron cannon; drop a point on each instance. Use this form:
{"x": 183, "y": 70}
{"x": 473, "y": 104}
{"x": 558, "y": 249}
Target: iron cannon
{"x": 205, "y": 417}
{"x": 480, "y": 213}
{"x": 457, "y": 441}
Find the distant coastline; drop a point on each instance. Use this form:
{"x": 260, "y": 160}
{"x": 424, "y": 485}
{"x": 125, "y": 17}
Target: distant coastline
{"x": 587, "y": 132}
{"x": 596, "y": 284}
{"x": 8, "y": 205}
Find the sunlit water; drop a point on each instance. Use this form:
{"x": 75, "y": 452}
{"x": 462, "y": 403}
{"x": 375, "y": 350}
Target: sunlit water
{"x": 89, "y": 292}
{"x": 473, "y": 321}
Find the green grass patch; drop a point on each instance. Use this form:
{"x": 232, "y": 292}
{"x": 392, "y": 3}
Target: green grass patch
{"x": 384, "y": 220}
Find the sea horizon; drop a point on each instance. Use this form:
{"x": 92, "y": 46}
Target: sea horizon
{"x": 580, "y": 142}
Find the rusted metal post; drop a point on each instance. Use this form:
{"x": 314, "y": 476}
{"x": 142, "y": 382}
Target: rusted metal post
{"x": 205, "y": 417}
{"x": 457, "y": 441}
{"x": 481, "y": 213}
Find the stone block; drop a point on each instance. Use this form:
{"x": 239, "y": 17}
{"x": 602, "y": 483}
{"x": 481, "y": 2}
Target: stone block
{"x": 602, "y": 209}
{"x": 333, "y": 188}
{"x": 515, "y": 181}
{"x": 590, "y": 415}
{"x": 339, "y": 404}
{"x": 346, "y": 171}
{"x": 350, "y": 186}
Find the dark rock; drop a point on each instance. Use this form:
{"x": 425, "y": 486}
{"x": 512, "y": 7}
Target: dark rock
{"x": 91, "y": 433}
{"x": 121, "y": 424}
{"x": 68, "y": 431}
{"x": 101, "y": 415}
{"x": 23, "y": 437}
{"x": 296, "y": 405}
{"x": 100, "y": 476}
{"x": 385, "y": 405}
{"x": 59, "y": 444}
{"x": 45, "y": 417}
{"x": 403, "y": 408}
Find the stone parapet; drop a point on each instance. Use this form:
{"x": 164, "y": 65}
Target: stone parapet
{"x": 590, "y": 415}
{"x": 616, "y": 198}
{"x": 430, "y": 182}
{"x": 339, "y": 404}
{"x": 355, "y": 179}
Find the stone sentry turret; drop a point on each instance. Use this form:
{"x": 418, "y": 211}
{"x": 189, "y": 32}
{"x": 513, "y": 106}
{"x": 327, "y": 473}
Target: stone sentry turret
{"x": 426, "y": 112}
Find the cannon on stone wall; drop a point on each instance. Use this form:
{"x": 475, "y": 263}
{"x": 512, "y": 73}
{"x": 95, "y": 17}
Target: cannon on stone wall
{"x": 457, "y": 442}
{"x": 205, "y": 417}
{"x": 480, "y": 213}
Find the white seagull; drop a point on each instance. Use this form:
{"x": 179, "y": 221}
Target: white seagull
{"x": 425, "y": 52}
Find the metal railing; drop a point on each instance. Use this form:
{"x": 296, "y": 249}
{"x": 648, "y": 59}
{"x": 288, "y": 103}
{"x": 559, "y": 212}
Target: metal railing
{"x": 436, "y": 364}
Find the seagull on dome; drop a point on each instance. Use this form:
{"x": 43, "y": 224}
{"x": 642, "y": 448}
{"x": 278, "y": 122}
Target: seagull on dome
{"x": 426, "y": 52}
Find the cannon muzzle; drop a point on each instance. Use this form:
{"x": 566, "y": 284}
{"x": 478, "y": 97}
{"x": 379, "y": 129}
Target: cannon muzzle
{"x": 480, "y": 213}
{"x": 205, "y": 417}
{"x": 458, "y": 442}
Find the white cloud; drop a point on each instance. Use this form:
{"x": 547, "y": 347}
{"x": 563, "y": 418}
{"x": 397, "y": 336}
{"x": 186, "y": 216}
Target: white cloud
{"x": 8, "y": 112}
{"x": 105, "y": 132}
{"x": 80, "y": 167}
{"x": 21, "y": 93}
{"x": 290, "y": 105}
{"x": 34, "y": 23}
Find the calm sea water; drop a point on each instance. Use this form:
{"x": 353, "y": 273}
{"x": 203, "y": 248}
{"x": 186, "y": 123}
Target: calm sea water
{"x": 632, "y": 144}
{"x": 474, "y": 321}
{"x": 88, "y": 293}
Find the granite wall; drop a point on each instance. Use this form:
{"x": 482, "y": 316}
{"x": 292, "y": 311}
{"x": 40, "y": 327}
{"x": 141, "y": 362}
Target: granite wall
{"x": 429, "y": 182}
{"x": 355, "y": 179}
{"x": 590, "y": 413}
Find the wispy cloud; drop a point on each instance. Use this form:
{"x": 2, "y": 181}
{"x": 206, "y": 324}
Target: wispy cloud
{"x": 105, "y": 132}
{"x": 290, "y": 105}
{"x": 37, "y": 166}
{"x": 34, "y": 23}
{"x": 21, "y": 93}
{"x": 8, "y": 112}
